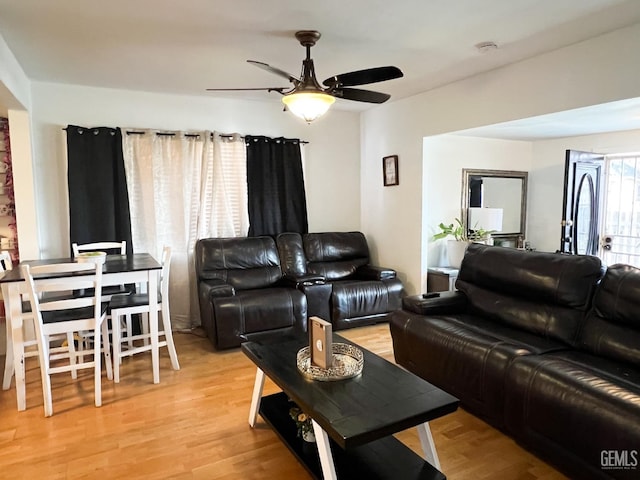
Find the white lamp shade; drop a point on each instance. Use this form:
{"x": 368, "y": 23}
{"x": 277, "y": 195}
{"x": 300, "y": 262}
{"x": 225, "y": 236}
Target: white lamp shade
{"x": 308, "y": 105}
{"x": 489, "y": 219}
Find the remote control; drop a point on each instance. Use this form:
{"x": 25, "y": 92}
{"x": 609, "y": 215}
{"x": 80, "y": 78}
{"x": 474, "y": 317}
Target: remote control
{"x": 431, "y": 295}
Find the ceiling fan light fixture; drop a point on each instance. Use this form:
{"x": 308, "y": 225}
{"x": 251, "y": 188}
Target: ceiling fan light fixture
{"x": 308, "y": 105}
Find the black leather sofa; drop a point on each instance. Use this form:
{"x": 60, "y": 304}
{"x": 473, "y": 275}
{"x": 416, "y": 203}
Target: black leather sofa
{"x": 543, "y": 347}
{"x": 248, "y": 286}
{"x": 341, "y": 286}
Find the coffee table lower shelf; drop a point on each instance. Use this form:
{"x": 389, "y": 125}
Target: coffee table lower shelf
{"x": 387, "y": 458}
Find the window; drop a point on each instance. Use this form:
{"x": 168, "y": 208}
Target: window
{"x": 621, "y": 211}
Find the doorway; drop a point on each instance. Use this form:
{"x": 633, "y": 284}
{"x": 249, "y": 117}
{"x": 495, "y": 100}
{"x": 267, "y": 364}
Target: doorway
{"x": 602, "y": 207}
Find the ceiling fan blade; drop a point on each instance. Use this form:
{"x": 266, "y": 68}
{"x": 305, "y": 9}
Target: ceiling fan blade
{"x": 268, "y": 89}
{"x": 360, "y": 95}
{"x": 362, "y": 77}
{"x": 275, "y": 70}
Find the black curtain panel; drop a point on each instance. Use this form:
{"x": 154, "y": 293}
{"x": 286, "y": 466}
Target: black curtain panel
{"x": 275, "y": 184}
{"x": 98, "y": 197}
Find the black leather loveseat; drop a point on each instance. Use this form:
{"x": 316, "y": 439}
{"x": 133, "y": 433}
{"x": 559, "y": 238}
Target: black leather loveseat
{"x": 542, "y": 347}
{"x": 248, "y": 286}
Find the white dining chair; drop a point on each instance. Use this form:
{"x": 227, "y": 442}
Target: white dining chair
{"x": 56, "y": 312}
{"x": 29, "y": 342}
{"x": 115, "y": 247}
{"x": 123, "y": 306}
{"x": 97, "y": 246}
{"x": 5, "y": 261}
{"x": 108, "y": 291}
{"x": 6, "y": 264}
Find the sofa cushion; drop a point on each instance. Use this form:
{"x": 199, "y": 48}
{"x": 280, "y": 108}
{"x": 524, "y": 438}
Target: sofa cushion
{"x": 360, "y": 298}
{"x": 612, "y": 327}
{"x": 544, "y": 293}
{"x": 244, "y": 263}
{"x": 465, "y": 355}
{"x": 571, "y": 406}
{"x": 251, "y": 311}
{"x": 335, "y": 255}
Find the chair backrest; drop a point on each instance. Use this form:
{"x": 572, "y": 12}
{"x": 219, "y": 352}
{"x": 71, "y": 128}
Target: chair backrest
{"x": 5, "y": 261}
{"x": 92, "y": 247}
{"x": 57, "y": 281}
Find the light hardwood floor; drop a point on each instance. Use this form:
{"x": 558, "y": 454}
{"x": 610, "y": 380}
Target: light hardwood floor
{"x": 193, "y": 425}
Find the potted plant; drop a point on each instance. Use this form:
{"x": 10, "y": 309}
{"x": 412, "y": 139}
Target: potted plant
{"x": 303, "y": 423}
{"x": 457, "y": 247}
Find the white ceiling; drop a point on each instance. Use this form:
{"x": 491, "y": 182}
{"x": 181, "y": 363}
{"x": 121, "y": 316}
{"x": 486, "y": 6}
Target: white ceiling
{"x": 185, "y": 47}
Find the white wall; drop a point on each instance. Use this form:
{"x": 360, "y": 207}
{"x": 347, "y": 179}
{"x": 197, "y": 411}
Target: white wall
{"x": 546, "y": 180}
{"x": 14, "y": 84}
{"x": 332, "y": 155}
{"x": 599, "y": 70}
{"x": 444, "y": 158}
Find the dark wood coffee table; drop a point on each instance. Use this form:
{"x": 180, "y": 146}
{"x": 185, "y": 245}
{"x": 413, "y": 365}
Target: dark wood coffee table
{"x": 353, "y": 419}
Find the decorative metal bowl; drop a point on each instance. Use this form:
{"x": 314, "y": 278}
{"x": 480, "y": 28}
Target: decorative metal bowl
{"x": 348, "y": 361}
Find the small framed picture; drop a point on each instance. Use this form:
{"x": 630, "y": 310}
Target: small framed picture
{"x": 321, "y": 342}
{"x": 390, "y": 170}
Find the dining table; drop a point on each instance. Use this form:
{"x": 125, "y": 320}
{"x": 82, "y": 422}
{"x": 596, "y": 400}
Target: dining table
{"x": 137, "y": 268}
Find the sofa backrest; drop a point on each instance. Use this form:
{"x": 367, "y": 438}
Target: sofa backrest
{"x": 335, "y": 255}
{"x": 612, "y": 327}
{"x": 292, "y": 259}
{"x": 242, "y": 262}
{"x": 544, "y": 293}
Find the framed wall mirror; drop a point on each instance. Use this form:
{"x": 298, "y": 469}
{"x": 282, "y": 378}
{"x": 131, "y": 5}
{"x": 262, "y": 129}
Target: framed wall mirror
{"x": 495, "y": 200}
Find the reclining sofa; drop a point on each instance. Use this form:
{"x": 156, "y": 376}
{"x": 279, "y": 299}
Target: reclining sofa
{"x": 250, "y": 286}
{"x": 543, "y": 347}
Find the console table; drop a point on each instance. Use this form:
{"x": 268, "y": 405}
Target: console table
{"x": 441, "y": 279}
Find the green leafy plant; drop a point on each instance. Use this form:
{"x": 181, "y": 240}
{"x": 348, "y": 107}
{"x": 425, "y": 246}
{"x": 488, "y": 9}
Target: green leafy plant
{"x": 458, "y": 232}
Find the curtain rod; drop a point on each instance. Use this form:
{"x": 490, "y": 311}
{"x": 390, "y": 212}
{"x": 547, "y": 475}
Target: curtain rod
{"x": 190, "y": 135}
{"x": 195, "y": 135}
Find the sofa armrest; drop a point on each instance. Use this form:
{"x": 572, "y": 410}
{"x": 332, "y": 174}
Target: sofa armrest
{"x": 371, "y": 272}
{"x": 298, "y": 281}
{"x": 215, "y": 288}
{"x": 445, "y": 303}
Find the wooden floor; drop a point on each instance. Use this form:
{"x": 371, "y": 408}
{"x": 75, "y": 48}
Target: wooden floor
{"x": 193, "y": 425}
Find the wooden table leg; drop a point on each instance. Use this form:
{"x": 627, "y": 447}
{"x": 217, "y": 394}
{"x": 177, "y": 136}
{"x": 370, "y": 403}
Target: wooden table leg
{"x": 256, "y": 397}
{"x": 324, "y": 450}
{"x": 428, "y": 446}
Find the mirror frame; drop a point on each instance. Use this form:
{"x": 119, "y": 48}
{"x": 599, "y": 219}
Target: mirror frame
{"x": 509, "y": 237}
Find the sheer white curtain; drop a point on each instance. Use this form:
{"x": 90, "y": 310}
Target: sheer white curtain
{"x": 223, "y": 198}
{"x": 174, "y": 182}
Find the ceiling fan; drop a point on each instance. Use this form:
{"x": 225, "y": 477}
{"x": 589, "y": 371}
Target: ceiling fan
{"x": 309, "y": 100}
